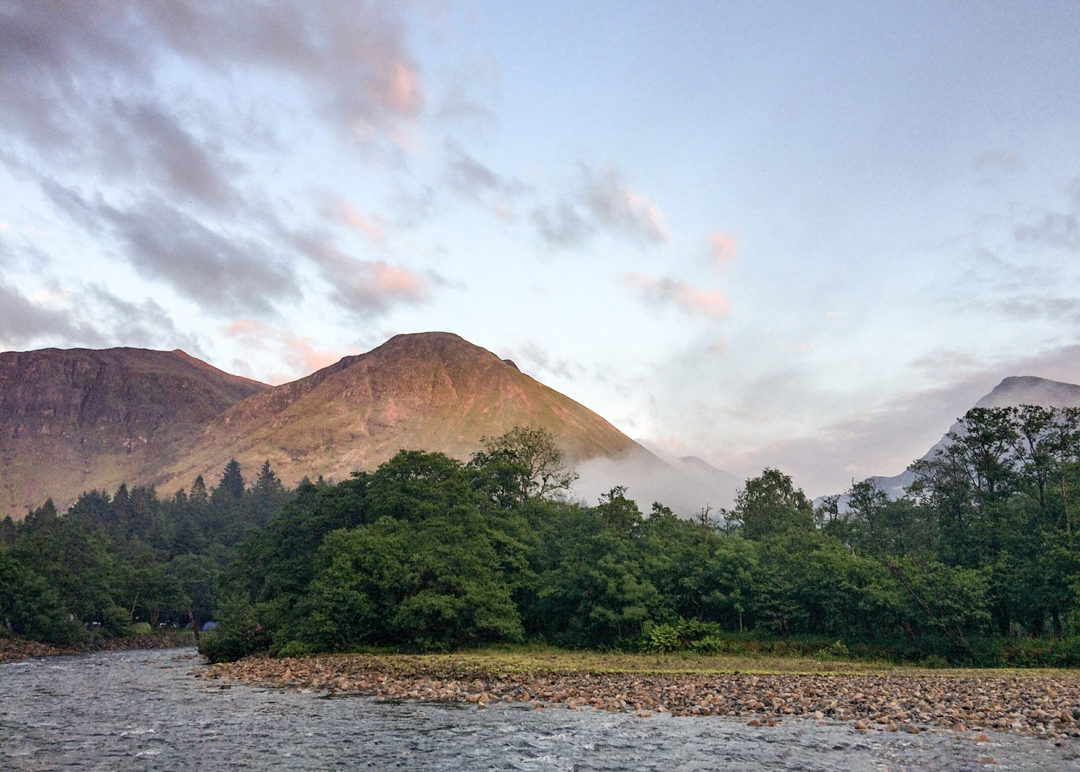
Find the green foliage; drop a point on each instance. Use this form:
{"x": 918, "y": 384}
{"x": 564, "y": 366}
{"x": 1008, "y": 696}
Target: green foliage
{"x": 770, "y": 505}
{"x": 294, "y": 649}
{"x": 30, "y": 607}
{"x": 239, "y": 633}
{"x": 980, "y": 565}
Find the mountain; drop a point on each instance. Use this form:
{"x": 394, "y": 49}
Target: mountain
{"x": 78, "y": 419}
{"x": 427, "y": 391}
{"x": 1011, "y": 392}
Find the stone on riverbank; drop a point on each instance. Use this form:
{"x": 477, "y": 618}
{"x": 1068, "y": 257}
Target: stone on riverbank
{"x": 1033, "y": 704}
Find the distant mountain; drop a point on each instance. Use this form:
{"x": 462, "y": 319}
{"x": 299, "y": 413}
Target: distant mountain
{"x": 78, "y": 419}
{"x": 1011, "y": 392}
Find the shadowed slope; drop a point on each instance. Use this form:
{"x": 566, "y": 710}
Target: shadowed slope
{"x": 78, "y": 419}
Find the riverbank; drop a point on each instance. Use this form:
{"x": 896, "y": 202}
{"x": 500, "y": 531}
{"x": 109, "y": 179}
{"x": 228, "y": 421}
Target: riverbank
{"x": 12, "y": 649}
{"x": 1044, "y": 703}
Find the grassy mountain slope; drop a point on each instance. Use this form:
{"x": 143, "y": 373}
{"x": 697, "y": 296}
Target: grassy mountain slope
{"x": 426, "y": 391}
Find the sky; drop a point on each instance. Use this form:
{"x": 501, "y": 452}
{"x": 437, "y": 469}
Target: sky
{"x": 799, "y": 235}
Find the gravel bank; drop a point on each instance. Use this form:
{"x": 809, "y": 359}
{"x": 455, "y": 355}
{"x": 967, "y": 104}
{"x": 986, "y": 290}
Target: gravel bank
{"x": 12, "y": 649}
{"x": 1046, "y": 705}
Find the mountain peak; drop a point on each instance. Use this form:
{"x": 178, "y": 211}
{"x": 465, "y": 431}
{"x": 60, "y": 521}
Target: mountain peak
{"x": 424, "y": 391}
{"x": 1031, "y": 390}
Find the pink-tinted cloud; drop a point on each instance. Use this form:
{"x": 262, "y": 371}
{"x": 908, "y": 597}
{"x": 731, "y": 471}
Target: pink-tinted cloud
{"x": 370, "y": 225}
{"x": 687, "y": 298}
{"x": 300, "y": 354}
{"x": 721, "y": 247}
{"x": 603, "y": 202}
{"x": 363, "y": 287}
{"x": 615, "y": 204}
{"x": 373, "y": 286}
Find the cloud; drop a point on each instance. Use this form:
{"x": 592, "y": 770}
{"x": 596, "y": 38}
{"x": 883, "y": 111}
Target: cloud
{"x": 371, "y": 226}
{"x": 86, "y": 315}
{"x": 533, "y": 358}
{"x": 477, "y": 182}
{"x": 996, "y": 163}
{"x": 163, "y": 242}
{"x": 1060, "y": 230}
{"x": 70, "y": 66}
{"x": 364, "y": 287}
{"x": 300, "y": 353}
{"x": 562, "y": 225}
{"x": 352, "y": 59}
{"x": 622, "y": 209}
{"x": 144, "y": 324}
{"x": 24, "y": 322}
{"x": 721, "y": 247}
{"x": 153, "y": 143}
{"x": 601, "y": 202}
{"x": 687, "y": 298}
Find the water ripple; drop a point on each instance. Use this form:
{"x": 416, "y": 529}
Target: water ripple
{"x": 143, "y": 710}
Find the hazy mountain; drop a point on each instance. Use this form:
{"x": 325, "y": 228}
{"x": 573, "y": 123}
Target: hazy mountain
{"x": 1011, "y": 392}
{"x": 686, "y": 484}
{"x": 78, "y": 419}
{"x": 428, "y": 391}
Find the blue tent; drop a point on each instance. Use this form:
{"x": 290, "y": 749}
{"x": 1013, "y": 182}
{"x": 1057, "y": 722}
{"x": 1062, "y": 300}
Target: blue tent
{"x": 209, "y": 626}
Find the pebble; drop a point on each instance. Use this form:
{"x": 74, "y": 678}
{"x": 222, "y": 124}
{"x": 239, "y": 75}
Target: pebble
{"x": 1041, "y": 705}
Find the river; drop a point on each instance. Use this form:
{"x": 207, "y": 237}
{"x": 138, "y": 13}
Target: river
{"x": 145, "y": 710}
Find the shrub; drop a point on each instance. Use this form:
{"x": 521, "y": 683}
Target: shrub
{"x": 295, "y": 649}
{"x": 662, "y": 638}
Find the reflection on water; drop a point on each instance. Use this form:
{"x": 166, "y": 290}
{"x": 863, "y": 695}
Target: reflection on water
{"x": 143, "y": 710}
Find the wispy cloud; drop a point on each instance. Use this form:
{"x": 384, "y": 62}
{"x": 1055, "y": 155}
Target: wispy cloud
{"x": 602, "y": 202}
{"x": 1060, "y": 230}
{"x": 477, "y": 182}
{"x": 371, "y": 225}
{"x": 300, "y": 353}
{"x": 23, "y": 322}
{"x": 86, "y": 315}
{"x": 996, "y": 163}
{"x": 721, "y": 247}
{"x": 690, "y": 300}
{"x": 164, "y": 242}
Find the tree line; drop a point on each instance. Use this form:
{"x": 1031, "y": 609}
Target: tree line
{"x": 977, "y": 565}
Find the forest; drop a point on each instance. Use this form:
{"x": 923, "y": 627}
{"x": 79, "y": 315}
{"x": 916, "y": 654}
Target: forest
{"x": 977, "y": 565}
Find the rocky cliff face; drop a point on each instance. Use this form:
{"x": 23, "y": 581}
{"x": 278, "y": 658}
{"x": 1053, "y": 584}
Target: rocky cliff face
{"x": 76, "y": 419}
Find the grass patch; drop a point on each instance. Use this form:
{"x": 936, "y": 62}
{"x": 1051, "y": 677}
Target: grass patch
{"x": 508, "y": 660}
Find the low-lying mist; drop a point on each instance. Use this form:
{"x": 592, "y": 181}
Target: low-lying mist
{"x": 686, "y": 485}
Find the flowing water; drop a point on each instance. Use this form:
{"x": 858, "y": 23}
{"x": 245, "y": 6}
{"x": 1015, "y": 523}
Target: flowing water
{"x": 145, "y": 710}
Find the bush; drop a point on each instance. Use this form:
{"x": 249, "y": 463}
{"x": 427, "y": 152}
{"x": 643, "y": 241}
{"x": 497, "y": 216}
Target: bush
{"x": 710, "y": 644}
{"x": 239, "y": 633}
{"x": 295, "y": 649}
{"x": 836, "y": 650}
{"x": 660, "y": 639}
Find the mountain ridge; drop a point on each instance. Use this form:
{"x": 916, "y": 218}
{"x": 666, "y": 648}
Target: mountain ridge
{"x": 425, "y": 391}
{"x": 78, "y": 419}
{"x": 164, "y": 417}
